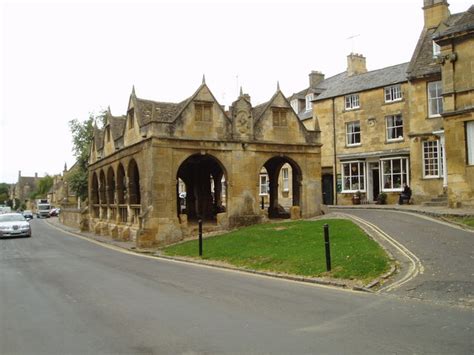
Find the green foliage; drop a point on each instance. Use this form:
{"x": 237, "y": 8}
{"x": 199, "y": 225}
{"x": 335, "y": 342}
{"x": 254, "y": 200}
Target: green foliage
{"x": 82, "y": 135}
{"x": 295, "y": 248}
{"x": 43, "y": 187}
{"x": 4, "y": 192}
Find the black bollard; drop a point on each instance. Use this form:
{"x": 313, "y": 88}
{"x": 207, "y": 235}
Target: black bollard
{"x": 200, "y": 236}
{"x": 326, "y": 244}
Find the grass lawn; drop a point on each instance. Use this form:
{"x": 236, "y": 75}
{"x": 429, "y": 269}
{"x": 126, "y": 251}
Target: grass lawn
{"x": 295, "y": 248}
{"x": 468, "y": 221}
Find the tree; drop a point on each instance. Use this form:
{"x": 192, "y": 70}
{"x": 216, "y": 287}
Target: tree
{"x": 43, "y": 187}
{"x": 82, "y": 135}
{"x": 4, "y": 192}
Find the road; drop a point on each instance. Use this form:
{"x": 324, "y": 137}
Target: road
{"x": 446, "y": 254}
{"x": 63, "y": 295}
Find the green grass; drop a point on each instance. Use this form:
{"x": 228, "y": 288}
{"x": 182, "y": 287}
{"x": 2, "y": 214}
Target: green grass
{"x": 468, "y": 221}
{"x": 295, "y": 248}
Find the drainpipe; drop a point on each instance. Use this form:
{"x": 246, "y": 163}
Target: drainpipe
{"x": 334, "y": 148}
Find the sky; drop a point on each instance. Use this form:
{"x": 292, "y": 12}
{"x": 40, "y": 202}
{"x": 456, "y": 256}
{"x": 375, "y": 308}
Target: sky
{"x": 62, "y": 60}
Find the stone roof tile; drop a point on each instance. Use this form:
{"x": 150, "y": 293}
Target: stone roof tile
{"x": 342, "y": 84}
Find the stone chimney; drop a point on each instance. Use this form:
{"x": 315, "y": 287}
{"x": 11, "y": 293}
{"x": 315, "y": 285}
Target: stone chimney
{"x": 356, "y": 64}
{"x": 315, "y": 77}
{"x": 435, "y": 11}
{"x": 36, "y": 175}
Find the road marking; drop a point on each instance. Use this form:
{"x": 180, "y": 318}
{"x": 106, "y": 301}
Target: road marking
{"x": 415, "y": 267}
{"x": 196, "y": 263}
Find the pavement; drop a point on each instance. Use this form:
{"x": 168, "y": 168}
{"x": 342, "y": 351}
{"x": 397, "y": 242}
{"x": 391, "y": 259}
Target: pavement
{"x": 434, "y": 211}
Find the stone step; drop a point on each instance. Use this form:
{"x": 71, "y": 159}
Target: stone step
{"x": 439, "y": 199}
{"x": 435, "y": 204}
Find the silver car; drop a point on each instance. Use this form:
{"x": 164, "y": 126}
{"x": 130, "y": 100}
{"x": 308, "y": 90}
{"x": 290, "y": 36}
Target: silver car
{"x": 14, "y": 225}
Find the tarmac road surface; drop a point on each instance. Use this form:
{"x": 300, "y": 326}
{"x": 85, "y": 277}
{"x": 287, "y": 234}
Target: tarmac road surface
{"x": 63, "y": 295}
{"x": 446, "y": 254}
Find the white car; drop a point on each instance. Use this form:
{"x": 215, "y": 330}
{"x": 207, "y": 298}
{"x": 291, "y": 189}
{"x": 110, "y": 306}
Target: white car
{"x": 14, "y": 225}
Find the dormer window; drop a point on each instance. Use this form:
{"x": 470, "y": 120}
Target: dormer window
{"x": 203, "y": 111}
{"x": 130, "y": 117}
{"x": 279, "y": 117}
{"x": 295, "y": 105}
{"x": 436, "y": 49}
{"x": 309, "y": 98}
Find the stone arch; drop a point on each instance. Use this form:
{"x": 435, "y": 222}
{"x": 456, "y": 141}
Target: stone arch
{"x": 204, "y": 177}
{"x": 95, "y": 189}
{"x": 134, "y": 195}
{"x": 110, "y": 186}
{"x": 102, "y": 188}
{"x": 273, "y": 167}
{"x": 121, "y": 185}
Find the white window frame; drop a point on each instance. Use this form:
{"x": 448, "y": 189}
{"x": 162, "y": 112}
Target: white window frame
{"x": 430, "y": 148}
{"x": 470, "y": 142}
{"x": 295, "y": 105}
{"x": 404, "y": 170}
{"x": 308, "y": 103}
{"x": 352, "y": 133}
{"x": 352, "y": 102}
{"x": 285, "y": 179}
{"x": 437, "y": 100}
{"x": 393, "y": 93}
{"x": 360, "y": 166}
{"x": 436, "y": 49}
{"x": 393, "y": 126}
{"x": 264, "y": 188}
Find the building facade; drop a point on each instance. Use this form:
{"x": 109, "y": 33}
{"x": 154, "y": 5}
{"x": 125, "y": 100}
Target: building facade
{"x": 142, "y": 163}
{"x": 385, "y": 128}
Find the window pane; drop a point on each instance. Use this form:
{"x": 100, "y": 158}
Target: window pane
{"x": 470, "y": 142}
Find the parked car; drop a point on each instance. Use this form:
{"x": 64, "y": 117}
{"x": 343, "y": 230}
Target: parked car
{"x": 54, "y": 212}
{"x": 28, "y": 214}
{"x": 14, "y": 225}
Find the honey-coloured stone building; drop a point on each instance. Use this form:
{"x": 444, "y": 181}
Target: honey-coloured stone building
{"x": 139, "y": 162}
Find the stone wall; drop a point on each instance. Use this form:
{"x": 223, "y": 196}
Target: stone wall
{"x": 71, "y": 217}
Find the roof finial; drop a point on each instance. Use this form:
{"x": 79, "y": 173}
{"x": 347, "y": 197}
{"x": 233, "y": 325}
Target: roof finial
{"x": 133, "y": 90}
{"x": 241, "y": 92}
{"x": 65, "y": 167}
{"x": 278, "y": 85}
{"x": 203, "y": 78}
{"x": 108, "y": 110}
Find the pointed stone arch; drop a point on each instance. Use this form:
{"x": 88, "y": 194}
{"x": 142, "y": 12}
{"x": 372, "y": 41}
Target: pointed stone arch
{"x": 121, "y": 185}
{"x": 204, "y": 177}
{"x": 134, "y": 194}
{"x": 273, "y": 167}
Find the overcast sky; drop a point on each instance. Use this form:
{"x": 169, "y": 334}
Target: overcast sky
{"x": 63, "y": 59}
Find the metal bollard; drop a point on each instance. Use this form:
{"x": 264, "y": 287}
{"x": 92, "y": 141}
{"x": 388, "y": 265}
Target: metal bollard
{"x": 200, "y": 236}
{"x": 327, "y": 247}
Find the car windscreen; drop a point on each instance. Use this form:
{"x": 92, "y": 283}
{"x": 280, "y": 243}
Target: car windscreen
{"x": 11, "y": 218}
{"x": 43, "y": 207}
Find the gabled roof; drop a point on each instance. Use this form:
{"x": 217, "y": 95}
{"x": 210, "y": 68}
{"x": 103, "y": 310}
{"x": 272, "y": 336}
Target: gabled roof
{"x": 462, "y": 22}
{"x": 422, "y": 63}
{"x": 154, "y": 111}
{"x": 98, "y": 138}
{"x": 342, "y": 84}
{"x": 117, "y": 126}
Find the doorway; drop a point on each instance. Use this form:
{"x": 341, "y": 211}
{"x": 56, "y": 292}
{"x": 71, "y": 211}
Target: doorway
{"x": 328, "y": 188}
{"x": 374, "y": 181}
